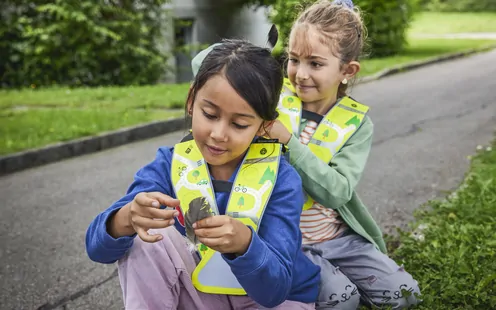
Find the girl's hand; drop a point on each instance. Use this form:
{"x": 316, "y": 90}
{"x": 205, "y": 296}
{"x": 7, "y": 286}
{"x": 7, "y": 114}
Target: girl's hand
{"x": 278, "y": 131}
{"x": 224, "y": 234}
{"x": 145, "y": 213}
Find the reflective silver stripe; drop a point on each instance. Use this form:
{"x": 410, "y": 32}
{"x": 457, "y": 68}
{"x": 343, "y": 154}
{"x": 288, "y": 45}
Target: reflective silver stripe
{"x": 350, "y": 109}
{"x": 261, "y": 160}
{"x": 315, "y": 141}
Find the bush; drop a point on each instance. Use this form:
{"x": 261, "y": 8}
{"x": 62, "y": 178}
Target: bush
{"x": 459, "y": 5}
{"x": 75, "y": 43}
{"x": 386, "y": 21}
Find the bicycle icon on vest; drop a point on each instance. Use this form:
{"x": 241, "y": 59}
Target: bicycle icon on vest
{"x": 241, "y": 188}
{"x": 181, "y": 170}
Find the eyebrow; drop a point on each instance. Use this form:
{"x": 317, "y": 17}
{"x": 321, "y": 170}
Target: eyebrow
{"x": 237, "y": 114}
{"x": 311, "y": 56}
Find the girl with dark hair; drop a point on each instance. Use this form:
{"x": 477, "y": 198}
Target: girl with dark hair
{"x": 236, "y": 243}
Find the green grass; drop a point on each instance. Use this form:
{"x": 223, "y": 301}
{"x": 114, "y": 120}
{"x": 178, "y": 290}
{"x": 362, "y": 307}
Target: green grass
{"x": 33, "y": 118}
{"x": 443, "y": 23}
{"x": 419, "y": 49}
{"x": 26, "y": 129}
{"x": 453, "y": 254}
{"x": 149, "y": 97}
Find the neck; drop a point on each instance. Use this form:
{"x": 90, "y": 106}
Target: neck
{"x": 320, "y": 106}
{"x": 225, "y": 171}
{"x": 221, "y": 173}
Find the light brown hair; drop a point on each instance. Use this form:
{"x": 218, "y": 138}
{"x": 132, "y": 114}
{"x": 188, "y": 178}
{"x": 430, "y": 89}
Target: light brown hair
{"x": 340, "y": 27}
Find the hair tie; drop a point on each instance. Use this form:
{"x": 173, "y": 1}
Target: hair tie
{"x": 349, "y": 5}
{"x": 346, "y": 3}
{"x": 198, "y": 59}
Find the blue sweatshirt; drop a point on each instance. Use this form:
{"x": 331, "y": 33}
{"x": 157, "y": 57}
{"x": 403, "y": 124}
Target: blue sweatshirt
{"x": 272, "y": 270}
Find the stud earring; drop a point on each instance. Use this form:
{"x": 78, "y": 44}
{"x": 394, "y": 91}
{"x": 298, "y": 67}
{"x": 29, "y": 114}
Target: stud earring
{"x": 345, "y": 81}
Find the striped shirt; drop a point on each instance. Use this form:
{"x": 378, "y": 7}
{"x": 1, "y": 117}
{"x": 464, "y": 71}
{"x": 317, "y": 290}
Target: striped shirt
{"x": 318, "y": 224}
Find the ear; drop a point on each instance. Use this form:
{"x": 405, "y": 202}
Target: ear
{"x": 190, "y": 109}
{"x": 264, "y": 129}
{"x": 189, "y": 104}
{"x": 351, "y": 69}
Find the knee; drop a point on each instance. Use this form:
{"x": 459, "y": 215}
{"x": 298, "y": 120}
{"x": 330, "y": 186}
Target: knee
{"x": 144, "y": 253}
{"x": 347, "y": 298}
{"x": 408, "y": 295}
{"x": 403, "y": 290}
{"x": 148, "y": 262}
{"x": 141, "y": 250}
{"x": 351, "y": 301}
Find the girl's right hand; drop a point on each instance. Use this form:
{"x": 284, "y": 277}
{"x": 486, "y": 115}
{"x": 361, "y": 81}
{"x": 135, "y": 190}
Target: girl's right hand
{"x": 145, "y": 214}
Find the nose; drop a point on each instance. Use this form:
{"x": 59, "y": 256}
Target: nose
{"x": 219, "y": 131}
{"x": 302, "y": 73}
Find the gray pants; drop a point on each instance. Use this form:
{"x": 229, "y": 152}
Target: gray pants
{"x": 353, "y": 270}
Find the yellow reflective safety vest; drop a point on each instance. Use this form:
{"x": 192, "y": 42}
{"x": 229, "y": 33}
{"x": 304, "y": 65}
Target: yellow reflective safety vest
{"x": 334, "y": 129}
{"x": 249, "y": 195}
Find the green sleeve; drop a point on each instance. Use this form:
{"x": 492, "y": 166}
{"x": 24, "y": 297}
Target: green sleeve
{"x": 333, "y": 185}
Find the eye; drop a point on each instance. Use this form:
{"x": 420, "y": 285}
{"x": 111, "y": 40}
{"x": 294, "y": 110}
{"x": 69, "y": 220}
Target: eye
{"x": 316, "y": 64}
{"x": 293, "y": 60}
{"x": 240, "y": 126}
{"x": 209, "y": 116}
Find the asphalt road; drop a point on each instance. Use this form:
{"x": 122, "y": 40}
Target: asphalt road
{"x": 427, "y": 122}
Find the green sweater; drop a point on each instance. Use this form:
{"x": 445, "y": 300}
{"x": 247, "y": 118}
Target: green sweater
{"x": 333, "y": 185}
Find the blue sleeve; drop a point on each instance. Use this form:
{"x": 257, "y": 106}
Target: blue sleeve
{"x": 154, "y": 177}
{"x": 265, "y": 270}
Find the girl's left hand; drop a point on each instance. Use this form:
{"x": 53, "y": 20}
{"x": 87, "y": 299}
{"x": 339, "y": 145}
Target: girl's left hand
{"x": 223, "y": 234}
{"x": 278, "y": 131}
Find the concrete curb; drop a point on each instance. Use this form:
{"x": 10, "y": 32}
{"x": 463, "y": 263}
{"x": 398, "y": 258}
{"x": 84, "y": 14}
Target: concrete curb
{"x": 55, "y": 152}
{"x": 421, "y": 63}
{"x": 63, "y": 150}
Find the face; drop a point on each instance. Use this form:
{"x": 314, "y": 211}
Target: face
{"x": 223, "y": 124}
{"x": 312, "y": 68}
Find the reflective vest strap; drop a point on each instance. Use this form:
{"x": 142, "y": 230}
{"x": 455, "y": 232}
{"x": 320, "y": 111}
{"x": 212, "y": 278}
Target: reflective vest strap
{"x": 190, "y": 176}
{"x": 337, "y": 126}
{"x": 289, "y": 108}
{"x": 254, "y": 183}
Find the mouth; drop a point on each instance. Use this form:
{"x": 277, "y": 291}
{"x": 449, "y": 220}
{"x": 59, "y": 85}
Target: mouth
{"x": 304, "y": 87}
{"x": 214, "y": 150}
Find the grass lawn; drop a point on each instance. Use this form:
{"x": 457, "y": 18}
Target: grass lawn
{"x": 30, "y": 128}
{"x": 35, "y": 117}
{"x": 168, "y": 96}
{"x": 419, "y": 49}
{"x": 452, "y": 252}
{"x": 443, "y": 23}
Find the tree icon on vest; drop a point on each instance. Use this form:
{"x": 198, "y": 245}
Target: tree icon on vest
{"x": 268, "y": 175}
{"x": 353, "y": 121}
{"x": 325, "y": 134}
{"x": 241, "y": 202}
{"x": 203, "y": 249}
